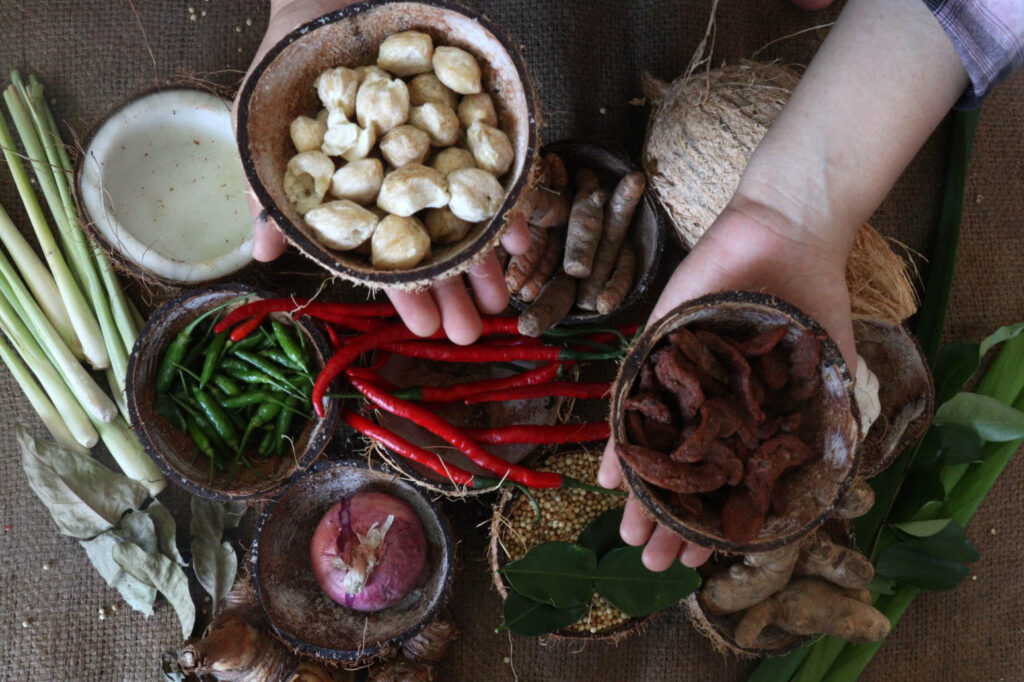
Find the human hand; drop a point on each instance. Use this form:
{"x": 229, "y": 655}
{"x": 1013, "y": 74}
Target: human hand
{"x": 752, "y": 248}
{"x": 447, "y": 302}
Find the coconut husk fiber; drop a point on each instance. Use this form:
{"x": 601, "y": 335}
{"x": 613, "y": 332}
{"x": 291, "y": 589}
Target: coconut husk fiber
{"x": 586, "y": 60}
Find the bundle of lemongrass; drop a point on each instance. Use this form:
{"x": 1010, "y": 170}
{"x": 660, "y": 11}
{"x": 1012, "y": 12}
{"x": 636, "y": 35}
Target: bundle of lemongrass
{"x": 71, "y": 309}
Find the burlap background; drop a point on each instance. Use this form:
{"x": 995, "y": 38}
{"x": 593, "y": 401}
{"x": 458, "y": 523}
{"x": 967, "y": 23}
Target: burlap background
{"x": 586, "y": 58}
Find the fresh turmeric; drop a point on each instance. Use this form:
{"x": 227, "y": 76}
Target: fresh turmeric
{"x": 586, "y": 221}
{"x": 750, "y": 581}
{"x": 618, "y": 214}
{"x": 618, "y": 287}
{"x": 846, "y": 567}
{"x": 545, "y": 266}
{"x": 550, "y": 306}
{"x": 521, "y": 266}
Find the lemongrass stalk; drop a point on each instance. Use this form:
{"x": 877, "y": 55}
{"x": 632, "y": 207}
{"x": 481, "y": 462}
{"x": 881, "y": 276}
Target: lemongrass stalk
{"x": 116, "y": 385}
{"x": 124, "y": 316}
{"x": 56, "y": 388}
{"x": 49, "y": 415}
{"x": 107, "y": 301}
{"x": 96, "y": 403}
{"x": 126, "y": 450}
{"x": 82, "y": 319}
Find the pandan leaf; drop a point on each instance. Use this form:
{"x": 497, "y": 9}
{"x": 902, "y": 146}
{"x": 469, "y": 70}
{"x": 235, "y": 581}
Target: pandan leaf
{"x": 165, "y": 575}
{"x": 629, "y": 586}
{"x": 602, "y": 534}
{"x": 214, "y": 562}
{"x": 84, "y": 498}
{"x": 557, "y": 573}
{"x": 911, "y": 565}
{"x": 990, "y": 419}
{"x": 528, "y": 618}
{"x": 136, "y": 593}
{"x": 999, "y": 336}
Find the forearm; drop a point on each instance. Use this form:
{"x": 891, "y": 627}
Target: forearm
{"x": 880, "y": 84}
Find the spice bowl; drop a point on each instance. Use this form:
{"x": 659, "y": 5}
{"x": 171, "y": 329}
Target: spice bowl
{"x": 299, "y": 612}
{"x": 172, "y": 448}
{"x": 646, "y": 231}
{"x": 827, "y": 425}
{"x": 280, "y": 88}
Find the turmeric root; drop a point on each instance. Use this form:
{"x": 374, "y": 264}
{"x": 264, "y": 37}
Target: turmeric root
{"x": 618, "y": 287}
{"x": 749, "y": 582}
{"x": 555, "y": 175}
{"x": 618, "y": 214}
{"x": 546, "y": 207}
{"x": 586, "y": 181}
{"x": 545, "y": 266}
{"x": 551, "y": 305}
{"x": 586, "y": 222}
{"x": 856, "y": 501}
{"x": 809, "y": 606}
{"x": 846, "y": 567}
{"x": 521, "y": 266}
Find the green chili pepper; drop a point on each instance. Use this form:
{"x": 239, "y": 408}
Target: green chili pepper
{"x": 225, "y": 384}
{"x": 264, "y": 414}
{"x": 283, "y": 426}
{"x": 219, "y": 418}
{"x": 288, "y": 344}
{"x": 213, "y": 354}
{"x": 248, "y": 399}
{"x": 267, "y": 443}
{"x": 175, "y": 353}
{"x": 281, "y": 359}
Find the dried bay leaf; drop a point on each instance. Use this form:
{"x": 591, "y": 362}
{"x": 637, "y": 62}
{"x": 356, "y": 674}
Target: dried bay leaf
{"x": 83, "y": 497}
{"x": 136, "y": 527}
{"x": 135, "y": 593}
{"x": 214, "y": 562}
{"x": 166, "y": 531}
{"x": 162, "y": 573}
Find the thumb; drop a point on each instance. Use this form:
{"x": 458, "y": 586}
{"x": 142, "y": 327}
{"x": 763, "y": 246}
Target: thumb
{"x": 267, "y": 241}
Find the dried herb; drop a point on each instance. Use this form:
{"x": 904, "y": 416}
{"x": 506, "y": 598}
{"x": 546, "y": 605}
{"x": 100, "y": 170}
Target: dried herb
{"x": 214, "y": 562}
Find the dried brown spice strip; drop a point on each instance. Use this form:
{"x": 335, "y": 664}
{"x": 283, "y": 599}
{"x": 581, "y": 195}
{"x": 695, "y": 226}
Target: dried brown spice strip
{"x": 647, "y": 380}
{"x": 660, "y": 437}
{"x": 741, "y": 520}
{"x": 691, "y": 504}
{"x": 760, "y": 343}
{"x": 719, "y": 454}
{"x": 659, "y": 470}
{"x": 649, "y": 405}
{"x": 717, "y": 420}
{"x": 697, "y": 353}
{"x": 671, "y": 372}
{"x": 740, "y": 368}
{"x": 635, "y": 429}
{"x": 803, "y": 370}
{"x": 771, "y": 460}
{"x": 774, "y": 368}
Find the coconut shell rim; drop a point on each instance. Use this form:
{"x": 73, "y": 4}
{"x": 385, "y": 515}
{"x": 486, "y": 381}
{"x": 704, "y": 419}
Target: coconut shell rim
{"x": 314, "y": 449}
{"x": 370, "y": 652}
{"x": 416, "y": 277}
{"x": 644, "y": 491}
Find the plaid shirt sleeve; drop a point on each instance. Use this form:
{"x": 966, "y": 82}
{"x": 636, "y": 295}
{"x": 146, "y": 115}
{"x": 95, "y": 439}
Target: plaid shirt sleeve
{"x": 988, "y": 35}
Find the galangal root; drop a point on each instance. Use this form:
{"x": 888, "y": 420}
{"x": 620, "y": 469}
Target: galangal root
{"x": 722, "y": 417}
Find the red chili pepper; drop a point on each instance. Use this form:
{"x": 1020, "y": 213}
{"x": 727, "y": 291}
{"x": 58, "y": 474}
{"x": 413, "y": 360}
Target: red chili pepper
{"x": 333, "y": 336}
{"x": 564, "y": 389}
{"x": 541, "y": 433}
{"x": 358, "y": 324}
{"x": 456, "y": 392}
{"x": 483, "y": 352}
{"x": 456, "y": 437}
{"x": 263, "y": 307}
{"x": 301, "y": 307}
{"x": 381, "y": 360}
{"x": 370, "y": 374}
{"x": 248, "y": 327}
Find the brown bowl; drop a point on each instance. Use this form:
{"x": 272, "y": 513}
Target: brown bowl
{"x": 814, "y": 487}
{"x": 906, "y": 392}
{"x": 298, "y": 610}
{"x": 646, "y": 231}
{"x": 171, "y": 448}
{"x": 281, "y": 88}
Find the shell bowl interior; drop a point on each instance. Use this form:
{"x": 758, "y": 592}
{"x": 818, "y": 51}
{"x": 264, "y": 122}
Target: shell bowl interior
{"x": 814, "y": 488}
{"x": 287, "y": 591}
{"x": 281, "y": 88}
{"x": 171, "y": 448}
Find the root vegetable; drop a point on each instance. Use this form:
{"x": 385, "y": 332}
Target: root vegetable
{"x": 358, "y": 181}
{"x": 399, "y": 243}
{"x": 369, "y": 551}
{"x": 384, "y": 103}
{"x": 521, "y": 266}
{"x": 337, "y": 89}
{"x": 439, "y": 121}
{"x": 478, "y": 108}
{"x": 452, "y": 159}
{"x": 586, "y": 181}
{"x": 555, "y": 175}
{"x": 307, "y": 133}
{"x": 808, "y": 606}
{"x": 546, "y": 207}
{"x": 621, "y": 282}
{"x": 307, "y": 178}
{"x": 457, "y": 69}
{"x": 491, "y": 148}
{"x": 342, "y": 224}
{"x": 475, "y": 194}
{"x": 551, "y": 305}
{"x": 406, "y": 53}
{"x": 749, "y": 582}
{"x": 842, "y": 566}
{"x": 545, "y": 266}
{"x": 618, "y": 214}
{"x": 427, "y": 88}
{"x": 404, "y": 145}
{"x": 856, "y": 501}
{"x": 431, "y": 643}
{"x": 412, "y": 188}
{"x": 444, "y": 226}
{"x": 585, "y": 225}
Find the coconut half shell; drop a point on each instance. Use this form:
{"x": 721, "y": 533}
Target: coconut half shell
{"x": 280, "y": 88}
{"x": 906, "y": 392}
{"x": 814, "y": 488}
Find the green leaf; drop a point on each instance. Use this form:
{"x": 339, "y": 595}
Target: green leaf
{"x": 602, "y": 534}
{"x": 629, "y": 586}
{"x": 921, "y": 489}
{"x": 954, "y": 367}
{"x": 989, "y": 418}
{"x": 943, "y": 538}
{"x": 960, "y": 444}
{"x": 911, "y": 565}
{"x": 214, "y": 562}
{"x": 528, "y": 618}
{"x": 165, "y": 575}
{"x": 166, "y": 531}
{"x": 137, "y": 594}
{"x": 83, "y": 497}
{"x": 1000, "y": 335}
{"x": 557, "y": 573}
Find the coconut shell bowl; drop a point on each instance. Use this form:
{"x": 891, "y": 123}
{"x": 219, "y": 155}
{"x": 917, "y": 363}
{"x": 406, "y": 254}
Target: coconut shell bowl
{"x": 822, "y": 463}
{"x": 299, "y": 612}
{"x": 172, "y": 448}
{"x": 281, "y": 88}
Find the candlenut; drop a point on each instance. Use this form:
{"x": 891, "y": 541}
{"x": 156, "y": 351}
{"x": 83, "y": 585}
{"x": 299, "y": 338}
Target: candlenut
{"x": 427, "y": 88}
{"x": 452, "y": 159}
{"x": 491, "y": 148}
{"x": 405, "y": 144}
{"x": 358, "y": 181}
{"x": 307, "y": 178}
{"x": 307, "y": 133}
{"x": 457, "y": 69}
{"x": 399, "y": 243}
{"x": 406, "y": 53}
{"x": 382, "y": 102}
{"x": 342, "y": 224}
{"x": 439, "y": 121}
{"x": 412, "y": 188}
{"x": 475, "y": 194}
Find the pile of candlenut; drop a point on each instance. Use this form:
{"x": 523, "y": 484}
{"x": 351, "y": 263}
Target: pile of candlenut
{"x": 405, "y": 154}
